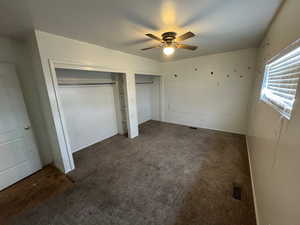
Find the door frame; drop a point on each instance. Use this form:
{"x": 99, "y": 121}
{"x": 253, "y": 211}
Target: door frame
{"x": 64, "y": 158}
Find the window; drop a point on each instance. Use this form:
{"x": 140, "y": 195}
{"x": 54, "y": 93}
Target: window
{"x": 281, "y": 81}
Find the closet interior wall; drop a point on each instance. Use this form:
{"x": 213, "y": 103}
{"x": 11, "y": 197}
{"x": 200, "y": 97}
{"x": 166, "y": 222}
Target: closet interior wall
{"x": 148, "y": 97}
{"x": 92, "y": 104}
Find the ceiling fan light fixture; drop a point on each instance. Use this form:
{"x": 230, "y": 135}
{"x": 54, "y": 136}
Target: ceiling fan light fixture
{"x": 168, "y": 50}
{"x": 169, "y": 42}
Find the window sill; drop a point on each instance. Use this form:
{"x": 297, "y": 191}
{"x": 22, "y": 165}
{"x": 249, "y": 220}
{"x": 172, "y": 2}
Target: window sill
{"x": 275, "y": 108}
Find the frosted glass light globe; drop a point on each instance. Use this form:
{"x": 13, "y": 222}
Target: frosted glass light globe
{"x": 168, "y": 50}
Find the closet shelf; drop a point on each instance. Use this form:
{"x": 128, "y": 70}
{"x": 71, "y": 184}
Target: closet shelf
{"x": 82, "y": 84}
{"x": 145, "y": 82}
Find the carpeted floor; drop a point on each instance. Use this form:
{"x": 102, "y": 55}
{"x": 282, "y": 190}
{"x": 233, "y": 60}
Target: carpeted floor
{"x": 169, "y": 175}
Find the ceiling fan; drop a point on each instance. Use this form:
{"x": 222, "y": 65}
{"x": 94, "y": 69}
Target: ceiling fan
{"x": 169, "y": 42}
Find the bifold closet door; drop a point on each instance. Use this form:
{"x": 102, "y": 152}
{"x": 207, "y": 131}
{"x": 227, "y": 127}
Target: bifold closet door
{"x": 144, "y": 102}
{"x": 90, "y": 114}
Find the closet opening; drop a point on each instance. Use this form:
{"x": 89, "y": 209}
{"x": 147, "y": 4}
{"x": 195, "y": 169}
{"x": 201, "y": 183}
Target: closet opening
{"x": 92, "y": 105}
{"x": 148, "y": 97}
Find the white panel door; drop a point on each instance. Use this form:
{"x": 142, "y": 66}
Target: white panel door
{"x": 144, "y": 102}
{"x": 18, "y": 152}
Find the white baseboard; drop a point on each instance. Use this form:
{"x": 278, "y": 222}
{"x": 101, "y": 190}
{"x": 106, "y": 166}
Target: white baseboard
{"x": 205, "y": 127}
{"x": 252, "y": 183}
{"x": 92, "y": 143}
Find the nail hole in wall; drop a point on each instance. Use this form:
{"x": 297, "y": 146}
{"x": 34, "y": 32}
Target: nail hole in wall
{"x": 211, "y": 73}
{"x": 241, "y": 76}
{"x": 227, "y": 75}
{"x": 175, "y": 75}
{"x": 196, "y": 69}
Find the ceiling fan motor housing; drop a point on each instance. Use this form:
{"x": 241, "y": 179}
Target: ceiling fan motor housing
{"x": 169, "y": 37}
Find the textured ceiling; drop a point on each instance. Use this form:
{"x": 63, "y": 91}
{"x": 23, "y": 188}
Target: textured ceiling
{"x": 220, "y": 25}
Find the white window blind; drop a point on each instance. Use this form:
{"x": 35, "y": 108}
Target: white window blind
{"x": 281, "y": 81}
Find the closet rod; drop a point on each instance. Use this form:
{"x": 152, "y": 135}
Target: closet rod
{"x": 82, "y": 84}
{"x": 145, "y": 82}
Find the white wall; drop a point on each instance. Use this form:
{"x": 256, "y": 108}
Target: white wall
{"x": 64, "y": 49}
{"x": 89, "y": 111}
{"x": 9, "y": 50}
{"x": 148, "y": 97}
{"x": 197, "y": 98}
{"x": 275, "y": 157}
{"x": 144, "y": 102}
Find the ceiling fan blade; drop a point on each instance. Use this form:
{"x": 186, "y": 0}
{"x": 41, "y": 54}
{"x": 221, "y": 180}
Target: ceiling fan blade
{"x": 156, "y": 46}
{"x": 185, "y": 36}
{"x": 154, "y": 37}
{"x": 189, "y": 47}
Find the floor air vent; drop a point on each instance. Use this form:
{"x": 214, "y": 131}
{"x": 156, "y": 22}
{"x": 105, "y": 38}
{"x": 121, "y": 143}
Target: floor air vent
{"x": 237, "y": 192}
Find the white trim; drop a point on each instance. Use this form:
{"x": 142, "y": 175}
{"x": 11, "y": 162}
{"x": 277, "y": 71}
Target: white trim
{"x": 252, "y": 183}
{"x": 241, "y": 132}
{"x": 64, "y": 144}
{"x": 62, "y": 64}
{"x": 91, "y": 144}
{"x": 65, "y": 148}
{"x": 60, "y": 126}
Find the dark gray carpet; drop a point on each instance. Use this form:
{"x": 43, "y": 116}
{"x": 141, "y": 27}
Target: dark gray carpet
{"x": 169, "y": 175}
